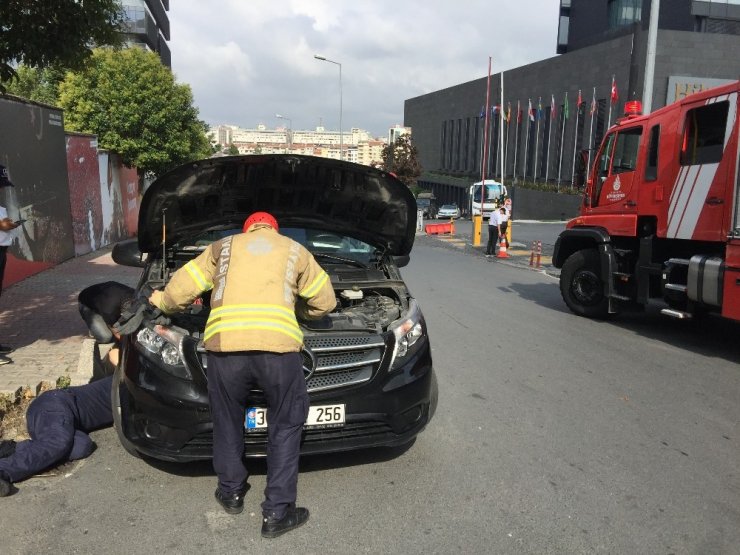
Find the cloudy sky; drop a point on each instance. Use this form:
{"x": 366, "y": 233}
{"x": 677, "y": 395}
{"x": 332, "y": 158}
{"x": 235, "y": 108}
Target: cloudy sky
{"x": 247, "y": 60}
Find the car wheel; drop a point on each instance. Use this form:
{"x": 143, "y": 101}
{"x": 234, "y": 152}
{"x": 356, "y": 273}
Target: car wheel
{"x": 115, "y": 401}
{"x": 581, "y": 284}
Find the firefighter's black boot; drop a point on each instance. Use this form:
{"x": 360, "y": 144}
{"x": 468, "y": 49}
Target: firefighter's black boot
{"x": 294, "y": 517}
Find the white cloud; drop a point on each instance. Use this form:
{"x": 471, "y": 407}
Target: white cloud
{"x": 247, "y": 60}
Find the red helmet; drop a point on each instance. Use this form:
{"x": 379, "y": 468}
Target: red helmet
{"x": 260, "y": 218}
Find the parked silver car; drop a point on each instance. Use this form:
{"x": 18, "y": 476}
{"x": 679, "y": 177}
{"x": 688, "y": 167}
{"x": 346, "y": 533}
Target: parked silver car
{"x": 448, "y": 211}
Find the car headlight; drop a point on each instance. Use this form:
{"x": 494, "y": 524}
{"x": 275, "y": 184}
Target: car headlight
{"x": 408, "y": 332}
{"x": 164, "y": 345}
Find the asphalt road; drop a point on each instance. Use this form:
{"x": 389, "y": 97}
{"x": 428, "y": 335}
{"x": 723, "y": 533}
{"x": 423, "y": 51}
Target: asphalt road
{"x": 554, "y": 434}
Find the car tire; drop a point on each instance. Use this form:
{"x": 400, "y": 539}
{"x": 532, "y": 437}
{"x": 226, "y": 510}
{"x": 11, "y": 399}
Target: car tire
{"x": 582, "y": 286}
{"x": 115, "y": 401}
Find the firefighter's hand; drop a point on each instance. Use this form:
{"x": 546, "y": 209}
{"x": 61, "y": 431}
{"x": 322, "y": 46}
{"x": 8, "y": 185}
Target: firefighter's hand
{"x": 134, "y": 315}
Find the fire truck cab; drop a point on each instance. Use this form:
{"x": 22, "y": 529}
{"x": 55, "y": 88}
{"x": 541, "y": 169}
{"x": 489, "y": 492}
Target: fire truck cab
{"x": 660, "y": 217}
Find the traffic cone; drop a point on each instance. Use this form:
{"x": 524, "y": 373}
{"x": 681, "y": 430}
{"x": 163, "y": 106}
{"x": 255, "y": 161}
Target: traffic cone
{"x": 502, "y": 249}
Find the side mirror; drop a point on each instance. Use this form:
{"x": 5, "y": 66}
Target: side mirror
{"x": 127, "y": 253}
{"x": 402, "y": 261}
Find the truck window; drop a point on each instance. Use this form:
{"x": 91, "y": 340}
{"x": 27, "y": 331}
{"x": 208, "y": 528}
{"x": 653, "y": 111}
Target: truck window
{"x": 704, "y": 134}
{"x": 651, "y": 168}
{"x": 625, "y": 151}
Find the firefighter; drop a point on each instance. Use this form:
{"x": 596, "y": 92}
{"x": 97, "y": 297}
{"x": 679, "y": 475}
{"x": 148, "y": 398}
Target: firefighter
{"x": 59, "y": 421}
{"x": 260, "y": 282}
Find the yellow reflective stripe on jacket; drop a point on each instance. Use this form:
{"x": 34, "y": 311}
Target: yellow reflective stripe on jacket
{"x": 200, "y": 280}
{"x": 252, "y": 317}
{"x": 314, "y": 287}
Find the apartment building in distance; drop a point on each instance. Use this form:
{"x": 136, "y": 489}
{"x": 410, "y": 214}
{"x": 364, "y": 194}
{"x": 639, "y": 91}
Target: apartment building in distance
{"x": 148, "y": 26}
{"x": 357, "y": 144}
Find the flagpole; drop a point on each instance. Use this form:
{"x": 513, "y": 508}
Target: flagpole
{"x": 609, "y": 119}
{"x": 549, "y": 135}
{"x": 591, "y": 132}
{"x": 537, "y": 139}
{"x": 516, "y": 137}
{"x": 526, "y": 140}
{"x": 508, "y": 127}
{"x": 562, "y": 140}
{"x": 575, "y": 143}
{"x": 489, "y": 168}
{"x": 485, "y": 138}
{"x": 501, "y": 130}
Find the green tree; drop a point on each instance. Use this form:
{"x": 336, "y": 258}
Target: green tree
{"x": 41, "y": 85}
{"x": 135, "y": 107}
{"x": 401, "y": 158}
{"x": 54, "y": 32}
{"x": 233, "y": 151}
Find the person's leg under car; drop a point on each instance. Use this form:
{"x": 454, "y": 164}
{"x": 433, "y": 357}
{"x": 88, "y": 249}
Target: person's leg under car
{"x": 50, "y": 423}
{"x": 280, "y": 376}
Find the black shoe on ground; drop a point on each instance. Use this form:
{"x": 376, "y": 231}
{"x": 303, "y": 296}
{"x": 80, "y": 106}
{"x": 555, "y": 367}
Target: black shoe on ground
{"x": 294, "y": 517}
{"x": 6, "y": 488}
{"x": 5, "y": 360}
{"x": 4, "y": 349}
{"x": 7, "y": 448}
{"x": 232, "y": 503}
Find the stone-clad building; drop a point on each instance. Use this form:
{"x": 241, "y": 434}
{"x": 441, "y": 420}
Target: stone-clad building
{"x": 600, "y": 41}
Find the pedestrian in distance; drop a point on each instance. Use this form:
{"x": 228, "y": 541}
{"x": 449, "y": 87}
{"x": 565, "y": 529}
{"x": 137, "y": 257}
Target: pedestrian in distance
{"x": 60, "y": 420}
{"x": 504, "y": 225}
{"x": 7, "y": 225}
{"x": 494, "y": 228}
{"x": 260, "y": 282}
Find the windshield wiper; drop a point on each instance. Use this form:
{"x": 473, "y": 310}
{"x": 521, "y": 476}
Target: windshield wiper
{"x": 336, "y": 258}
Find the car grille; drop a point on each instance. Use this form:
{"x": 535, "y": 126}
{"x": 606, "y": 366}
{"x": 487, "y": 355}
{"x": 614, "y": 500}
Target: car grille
{"x": 350, "y": 431}
{"x": 341, "y": 361}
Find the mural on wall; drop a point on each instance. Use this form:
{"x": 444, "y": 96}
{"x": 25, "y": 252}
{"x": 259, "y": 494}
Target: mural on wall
{"x": 103, "y": 195}
{"x": 32, "y": 147}
{"x": 84, "y": 192}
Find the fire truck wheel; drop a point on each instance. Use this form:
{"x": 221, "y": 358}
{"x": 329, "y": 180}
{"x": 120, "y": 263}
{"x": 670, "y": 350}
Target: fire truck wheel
{"x": 581, "y": 285}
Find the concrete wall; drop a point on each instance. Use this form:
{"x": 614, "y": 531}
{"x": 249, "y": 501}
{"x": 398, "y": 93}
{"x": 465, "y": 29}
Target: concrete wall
{"x": 74, "y": 198}
{"x": 103, "y": 195}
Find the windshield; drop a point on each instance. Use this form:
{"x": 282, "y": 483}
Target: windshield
{"x": 492, "y": 192}
{"x": 317, "y": 241}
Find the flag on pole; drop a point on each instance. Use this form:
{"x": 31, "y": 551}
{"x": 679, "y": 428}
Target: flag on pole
{"x": 494, "y": 109}
{"x": 518, "y": 112}
{"x": 508, "y": 113}
{"x": 580, "y": 100}
{"x": 614, "y": 94}
{"x": 530, "y": 111}
{"x": 482, "y": 111}
{"x": 552, "y": 106}
{"x": 566, "y": 111}
{"x": 593, "y": 104}
{"x": 539, "y": 108}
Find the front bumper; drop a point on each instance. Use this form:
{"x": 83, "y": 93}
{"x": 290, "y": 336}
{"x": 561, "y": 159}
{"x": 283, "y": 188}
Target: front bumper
{"x": 168, "y": 418}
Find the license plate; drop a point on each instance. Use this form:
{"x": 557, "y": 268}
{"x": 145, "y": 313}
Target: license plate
{"x": 319, "y": 416}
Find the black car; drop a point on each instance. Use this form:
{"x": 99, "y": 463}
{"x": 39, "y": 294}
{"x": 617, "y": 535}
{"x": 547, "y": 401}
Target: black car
{"x": 368, "y": 364}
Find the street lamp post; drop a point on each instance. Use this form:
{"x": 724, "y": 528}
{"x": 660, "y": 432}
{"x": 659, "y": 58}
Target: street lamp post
{"x": 290, "y": 129}
{"x": 341, "y": 140}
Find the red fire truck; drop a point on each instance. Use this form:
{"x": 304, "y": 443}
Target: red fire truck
{"x": 660, "y": 218}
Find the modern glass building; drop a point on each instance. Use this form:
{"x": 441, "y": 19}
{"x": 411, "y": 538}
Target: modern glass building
{"x": 602, "y": 43}
{"x": 148, "y": 26}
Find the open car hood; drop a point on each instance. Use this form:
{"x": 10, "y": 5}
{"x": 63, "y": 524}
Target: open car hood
{"x": 300, "y": 191}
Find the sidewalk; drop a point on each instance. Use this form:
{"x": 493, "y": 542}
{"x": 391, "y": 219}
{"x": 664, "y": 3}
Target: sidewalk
{"x": 40, "y": 319}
